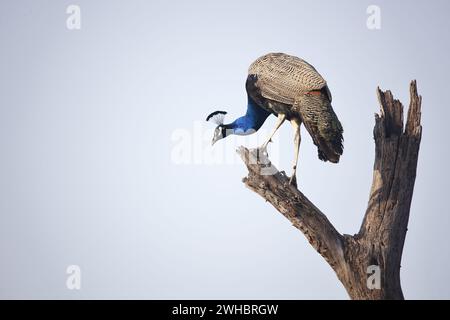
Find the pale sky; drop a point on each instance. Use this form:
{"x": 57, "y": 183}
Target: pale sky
{"x": 106, "y": 161}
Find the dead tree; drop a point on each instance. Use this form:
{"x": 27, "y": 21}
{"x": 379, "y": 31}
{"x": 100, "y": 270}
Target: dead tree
{"x": 380, "y": 240}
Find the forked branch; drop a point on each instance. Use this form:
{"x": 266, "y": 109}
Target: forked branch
{"x": 382, "y": 234}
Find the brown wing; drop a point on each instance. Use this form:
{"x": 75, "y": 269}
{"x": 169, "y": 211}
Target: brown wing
{"x": 283, "y": 78}
{"x": 322, "y": 124}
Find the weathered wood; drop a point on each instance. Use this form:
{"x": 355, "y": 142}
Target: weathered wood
{"x": 382, "y": 235}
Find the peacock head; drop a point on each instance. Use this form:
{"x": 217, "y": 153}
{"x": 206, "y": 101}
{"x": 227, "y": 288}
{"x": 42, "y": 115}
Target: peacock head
{"x": 220, "y": 132}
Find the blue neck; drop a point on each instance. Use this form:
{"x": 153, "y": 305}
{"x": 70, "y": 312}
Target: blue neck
{"x": 251, "y": 121}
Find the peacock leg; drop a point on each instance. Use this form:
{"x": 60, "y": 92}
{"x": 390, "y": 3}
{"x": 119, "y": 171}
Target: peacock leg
{"x": 297, "y": 139}
{"x": 280, "y": 120}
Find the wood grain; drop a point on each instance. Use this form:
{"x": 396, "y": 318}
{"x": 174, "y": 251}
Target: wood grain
{"x": 382, "y": 234}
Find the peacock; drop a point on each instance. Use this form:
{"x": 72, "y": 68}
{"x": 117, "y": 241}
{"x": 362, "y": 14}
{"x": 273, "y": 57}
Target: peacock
{"x": 291, "y": 89}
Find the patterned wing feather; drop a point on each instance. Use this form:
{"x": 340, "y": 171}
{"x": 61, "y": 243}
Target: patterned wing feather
{"x": 322, "y": 124}
{"x": 283, "y": 78}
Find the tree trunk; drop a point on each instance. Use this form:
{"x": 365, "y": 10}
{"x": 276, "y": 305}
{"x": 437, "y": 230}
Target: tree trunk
{"x": 368, "y": 263}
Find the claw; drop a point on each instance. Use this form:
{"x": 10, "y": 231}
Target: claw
{"x": 261, "y": 153}
{"x": 263, "y": 148}
{"x": 293, "y": 181}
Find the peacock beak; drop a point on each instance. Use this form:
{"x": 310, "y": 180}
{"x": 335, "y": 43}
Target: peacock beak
{"x": 217, "y": 135}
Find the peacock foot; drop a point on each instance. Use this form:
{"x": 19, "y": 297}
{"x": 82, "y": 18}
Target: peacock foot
{"x": 293, "y": 180}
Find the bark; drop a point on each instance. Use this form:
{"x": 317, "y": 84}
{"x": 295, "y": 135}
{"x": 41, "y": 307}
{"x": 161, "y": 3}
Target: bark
{"x": 381, "y": 237}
